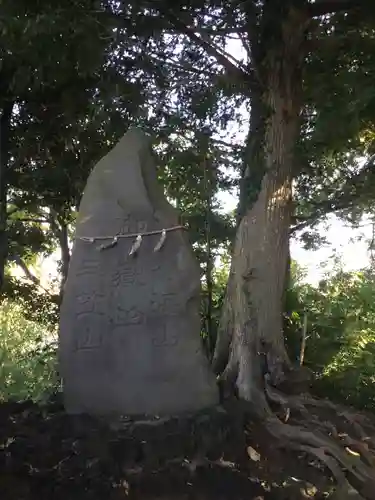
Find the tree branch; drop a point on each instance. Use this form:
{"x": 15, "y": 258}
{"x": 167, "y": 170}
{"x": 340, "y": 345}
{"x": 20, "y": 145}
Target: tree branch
{"x": 344, "y": 199}
{"x": 30, "y": 219}
{"x": 230, "y": 63}
{"x": 65, "y": 254}
{"x": 59, "y": 226}
{"x": 187, "y": 69}
{"x": 324, "y": 7}
{"x": 12, "y": 211}
{"x": 159, "y": 26}
{"x": 326, "y": 207}
{"x": 29, "y": 275}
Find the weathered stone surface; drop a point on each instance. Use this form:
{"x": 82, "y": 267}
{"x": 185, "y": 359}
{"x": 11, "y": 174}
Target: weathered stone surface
{"x": 129, "y": 329}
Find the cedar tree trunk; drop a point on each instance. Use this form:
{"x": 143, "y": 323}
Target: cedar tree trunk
{"x": 251, "y": 339}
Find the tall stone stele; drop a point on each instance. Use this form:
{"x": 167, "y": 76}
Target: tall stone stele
{"x": 129, "y": 341}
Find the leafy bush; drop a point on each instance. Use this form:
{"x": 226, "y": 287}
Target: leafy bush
{"x": 27, "y": 356}
{"x": 38, "y": 306}
{"x": 340, "y": 345}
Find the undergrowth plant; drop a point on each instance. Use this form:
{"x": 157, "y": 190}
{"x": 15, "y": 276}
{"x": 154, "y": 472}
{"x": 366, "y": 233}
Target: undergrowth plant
{"x": 340, "y": 345}
{"x": 27, "y": 356}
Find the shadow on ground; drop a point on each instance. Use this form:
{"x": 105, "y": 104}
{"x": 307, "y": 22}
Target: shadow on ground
{"x": 47, "y": 455}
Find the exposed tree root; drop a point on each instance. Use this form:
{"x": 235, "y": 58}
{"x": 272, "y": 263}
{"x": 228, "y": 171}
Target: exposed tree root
{"x": 351, "y": 461}
{"x": 344, "y": 489}
{"x": 345, "y": 468}
{"x": 348, "y": 455}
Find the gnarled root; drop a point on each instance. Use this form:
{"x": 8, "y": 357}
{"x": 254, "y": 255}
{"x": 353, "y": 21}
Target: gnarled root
{"x": 353, "y": 470}
{"x": 304, "y": 424}
{"x": 349, "y": 458}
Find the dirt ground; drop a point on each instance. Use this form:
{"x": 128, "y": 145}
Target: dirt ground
{"x": 47, "y": 455}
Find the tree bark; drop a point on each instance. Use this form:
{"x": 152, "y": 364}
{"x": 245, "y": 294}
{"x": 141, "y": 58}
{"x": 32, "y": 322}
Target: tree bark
{"x": 250, "y": 339}
{"x": 60, "y": 228}
{"x": 65, "y": 255}
{"x": 209, "y": 285}
{"x": 253, "y": 161}
{"x": 5, "y": 124}
{"x": 23, "y": 266}
{"x": 209, "y": 262}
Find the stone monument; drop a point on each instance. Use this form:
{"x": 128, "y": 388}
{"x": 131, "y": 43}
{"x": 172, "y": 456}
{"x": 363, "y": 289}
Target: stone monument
{"x": 129, "y": 340}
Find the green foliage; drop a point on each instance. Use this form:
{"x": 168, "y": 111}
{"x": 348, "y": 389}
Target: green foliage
{"x": 27, "y": 356}
{"x": 36, "y": 305}
{"x": 340, "y": 346}
{"x": 338, "y": 120}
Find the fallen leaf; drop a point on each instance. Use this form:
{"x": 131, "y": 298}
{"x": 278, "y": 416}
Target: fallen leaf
{"x": 254, "y": 455}
{"x": 354, "y": 453}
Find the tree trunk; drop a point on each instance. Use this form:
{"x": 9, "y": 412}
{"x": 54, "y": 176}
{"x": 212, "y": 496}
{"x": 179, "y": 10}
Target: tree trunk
{"x": 60, "y": 228}
{"x": 209, "y": 262}
{"x": 209, "y": 308}
{"x": 253, "y": 161}
{"x": 24, "y": 268}
{"x": 65, "y": 255}
{"x": 250, "y": 336}
{"x": 5, "y": 124}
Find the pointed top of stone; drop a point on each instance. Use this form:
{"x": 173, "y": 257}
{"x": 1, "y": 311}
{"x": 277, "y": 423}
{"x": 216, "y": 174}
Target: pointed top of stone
{"x": 125, "y": 179}
{"x": 123, "y": 173}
